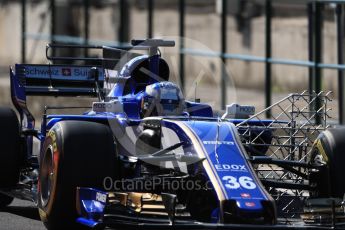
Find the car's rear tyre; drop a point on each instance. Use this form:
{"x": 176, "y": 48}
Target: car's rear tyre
{"x": 329, "y": 150}
{"x": 74, "y": 154}
{"x": 9, "y": 152}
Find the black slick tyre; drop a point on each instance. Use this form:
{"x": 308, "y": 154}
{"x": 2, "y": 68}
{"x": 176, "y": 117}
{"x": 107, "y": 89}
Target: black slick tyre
{"x": 74, "y": 154}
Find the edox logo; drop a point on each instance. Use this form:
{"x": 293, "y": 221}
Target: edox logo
{"x": 233, "y": 167}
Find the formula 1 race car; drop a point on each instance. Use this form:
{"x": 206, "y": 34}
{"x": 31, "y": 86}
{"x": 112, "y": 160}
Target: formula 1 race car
{"x": 144, "y": 156}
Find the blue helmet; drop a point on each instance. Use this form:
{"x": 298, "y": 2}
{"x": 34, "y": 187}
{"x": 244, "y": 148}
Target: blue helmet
{"x": 163, "y": 99}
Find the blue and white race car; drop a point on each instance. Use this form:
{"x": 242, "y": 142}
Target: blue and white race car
{"x": 144, "y": 156}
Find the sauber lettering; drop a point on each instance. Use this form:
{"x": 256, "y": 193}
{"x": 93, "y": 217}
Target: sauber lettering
{"x": 218, "y": 143}
{"x": 81, "y": 72}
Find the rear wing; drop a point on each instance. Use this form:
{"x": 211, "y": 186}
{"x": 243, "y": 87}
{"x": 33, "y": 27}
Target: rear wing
{"x": 58, "y": 80}
{"x": 64, "y": 77}
{"x": 51, "y": 80}
{"x": 78, "y": 80}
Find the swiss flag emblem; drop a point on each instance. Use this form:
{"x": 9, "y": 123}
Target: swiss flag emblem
{"x": 245, "y": 195}
{"x": 66, "y": 72}
{"x": 250, "y": 204}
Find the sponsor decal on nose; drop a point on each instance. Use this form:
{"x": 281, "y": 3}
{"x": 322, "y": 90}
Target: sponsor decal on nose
{"x": 249, "y": 204}
{"x": 245, "y": 195}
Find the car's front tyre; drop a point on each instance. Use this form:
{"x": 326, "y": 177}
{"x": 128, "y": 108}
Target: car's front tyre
{"x": 74, "y": 154}
{"x": 329, "y": 150}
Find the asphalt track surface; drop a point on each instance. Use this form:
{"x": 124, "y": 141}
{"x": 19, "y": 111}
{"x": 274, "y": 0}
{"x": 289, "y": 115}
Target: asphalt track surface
{"x": 20, "y": 215}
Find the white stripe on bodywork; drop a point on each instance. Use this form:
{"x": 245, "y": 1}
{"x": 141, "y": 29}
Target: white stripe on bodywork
{"x": 200, "y": 150}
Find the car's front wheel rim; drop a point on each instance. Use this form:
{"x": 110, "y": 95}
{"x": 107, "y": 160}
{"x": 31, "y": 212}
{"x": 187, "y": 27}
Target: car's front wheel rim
{"x": 47, "y": 174}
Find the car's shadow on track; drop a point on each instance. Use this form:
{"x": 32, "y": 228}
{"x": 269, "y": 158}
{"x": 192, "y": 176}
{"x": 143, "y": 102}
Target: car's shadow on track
{"x": 29, "y": 213}
{"x": 26, "y": 212}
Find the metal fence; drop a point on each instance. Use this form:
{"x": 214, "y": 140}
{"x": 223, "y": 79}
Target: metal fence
{"x": 314, "y": 63}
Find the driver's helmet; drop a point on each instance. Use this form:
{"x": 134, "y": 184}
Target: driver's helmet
{"x": 163, "y": 99}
